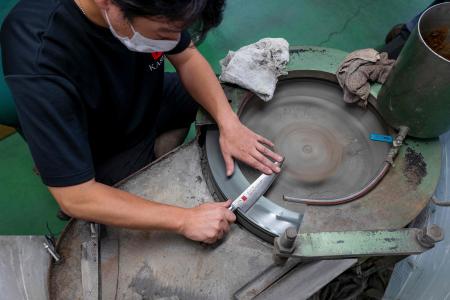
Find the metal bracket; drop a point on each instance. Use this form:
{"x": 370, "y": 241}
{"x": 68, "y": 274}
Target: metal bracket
{"x": 351, "y": 244}
{"x": 90, "y": 264}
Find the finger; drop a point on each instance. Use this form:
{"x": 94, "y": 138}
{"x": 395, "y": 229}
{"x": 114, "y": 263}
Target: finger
{"x": 210, "y": 241}
{"x": 212, "y": 236}
{"x": 265, "y": 161}
{"x": 229, "y": 163}
{"x": 224, "y": 225}
{"x": 269, "y": 153}
{"x": 252, "y": 162}
{"x": 220, "y": 235}
{"x": 225, "y": 204}
{"x": 230, "y": 216}
{"x": 263, "y": 140}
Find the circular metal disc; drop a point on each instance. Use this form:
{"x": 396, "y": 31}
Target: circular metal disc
{"x": 325, "y": 143}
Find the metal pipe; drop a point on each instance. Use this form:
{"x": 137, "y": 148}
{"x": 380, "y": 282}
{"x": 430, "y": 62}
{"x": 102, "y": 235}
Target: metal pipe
{"x": 344, "y": 199}
{"x": 389, "y": 161}
{"x": 440, "y": 202}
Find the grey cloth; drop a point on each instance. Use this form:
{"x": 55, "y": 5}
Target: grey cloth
{"x": 360, "y": 68}
{"x": 256, "y": 67}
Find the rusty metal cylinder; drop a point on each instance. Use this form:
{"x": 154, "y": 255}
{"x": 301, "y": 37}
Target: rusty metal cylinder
{"x": 417, "y": 92}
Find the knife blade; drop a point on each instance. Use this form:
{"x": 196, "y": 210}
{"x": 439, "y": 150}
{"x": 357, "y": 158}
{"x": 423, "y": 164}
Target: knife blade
{"x": 251, "y": 194}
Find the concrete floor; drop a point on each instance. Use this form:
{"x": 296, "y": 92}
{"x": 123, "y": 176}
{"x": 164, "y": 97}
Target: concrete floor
{"x": 26, "y": 206}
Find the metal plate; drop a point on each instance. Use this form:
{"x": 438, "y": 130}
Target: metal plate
{"x": 325, "y": 142}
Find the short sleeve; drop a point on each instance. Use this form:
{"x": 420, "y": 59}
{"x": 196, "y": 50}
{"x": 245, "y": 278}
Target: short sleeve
{"x": 185, "y": 41}
{"x": 52, "y": 118}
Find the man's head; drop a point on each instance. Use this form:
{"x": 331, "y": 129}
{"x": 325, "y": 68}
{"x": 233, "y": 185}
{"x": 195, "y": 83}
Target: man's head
{"x": 163, "y": 19}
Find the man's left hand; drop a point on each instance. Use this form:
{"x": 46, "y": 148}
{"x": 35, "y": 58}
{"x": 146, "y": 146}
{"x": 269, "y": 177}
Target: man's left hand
{"x": 239, "y": 142}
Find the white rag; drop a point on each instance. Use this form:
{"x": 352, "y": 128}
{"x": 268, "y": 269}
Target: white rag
{"x": 256, "y": 67}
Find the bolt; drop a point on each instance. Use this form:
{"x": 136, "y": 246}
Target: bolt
{"x": 434, "y": 233}
{"x": 291, "y": 233}
{"x": 284, "y": 245}
{"x": 288, "y": 238}
{"x": 430, "y": 235}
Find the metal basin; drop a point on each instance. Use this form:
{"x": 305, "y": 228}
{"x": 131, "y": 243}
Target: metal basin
{"x": 325, "y": 142}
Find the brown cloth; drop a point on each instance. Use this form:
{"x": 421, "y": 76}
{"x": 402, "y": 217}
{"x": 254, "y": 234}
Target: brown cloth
{"x": 360, "y": 68}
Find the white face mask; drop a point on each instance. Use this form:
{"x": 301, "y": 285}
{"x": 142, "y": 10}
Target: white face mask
{"x": 140, "y": 43}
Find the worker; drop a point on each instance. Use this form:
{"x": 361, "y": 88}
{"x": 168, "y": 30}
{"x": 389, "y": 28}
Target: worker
{"x": 88, "y": 81}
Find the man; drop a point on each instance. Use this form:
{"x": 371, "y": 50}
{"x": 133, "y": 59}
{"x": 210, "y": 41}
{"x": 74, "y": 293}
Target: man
{"x": 91, "y": 94}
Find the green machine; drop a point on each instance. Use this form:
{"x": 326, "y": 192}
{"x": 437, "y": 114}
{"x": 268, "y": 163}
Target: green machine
{"x": 151, "y": 265}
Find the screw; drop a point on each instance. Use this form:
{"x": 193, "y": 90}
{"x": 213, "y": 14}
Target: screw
{"x": 53, "y": 253}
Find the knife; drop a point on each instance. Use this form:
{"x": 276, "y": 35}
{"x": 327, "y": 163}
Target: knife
{"x": 248, "y": 198}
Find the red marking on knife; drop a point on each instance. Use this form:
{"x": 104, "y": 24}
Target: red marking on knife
{"x": 244, "y": 198}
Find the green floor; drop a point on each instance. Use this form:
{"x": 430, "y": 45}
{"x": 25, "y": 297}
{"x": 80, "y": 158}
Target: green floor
{"x": 25, "y": 205}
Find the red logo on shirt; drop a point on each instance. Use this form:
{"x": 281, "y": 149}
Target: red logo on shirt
{"x": 156, "y": 55}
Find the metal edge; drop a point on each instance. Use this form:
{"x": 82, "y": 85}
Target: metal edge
{"x": 219, "y": 196}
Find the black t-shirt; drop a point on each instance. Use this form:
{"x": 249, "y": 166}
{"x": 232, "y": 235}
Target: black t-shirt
{"x": 80, "y": 94}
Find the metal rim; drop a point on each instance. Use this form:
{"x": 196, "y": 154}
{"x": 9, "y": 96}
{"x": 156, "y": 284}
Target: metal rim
{"x": 419, "y": 30}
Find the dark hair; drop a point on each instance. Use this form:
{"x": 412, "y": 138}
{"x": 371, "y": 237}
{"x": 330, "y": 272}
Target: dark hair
{"x": 198, "y": 15}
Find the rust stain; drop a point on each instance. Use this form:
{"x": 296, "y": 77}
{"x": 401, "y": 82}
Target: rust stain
{"x": 437, "y": 40}
{"x": 415, "y": 167}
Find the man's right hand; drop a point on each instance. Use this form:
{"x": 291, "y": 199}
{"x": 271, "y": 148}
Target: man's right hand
{"x": 102, "y": 204}
{"x": 208, "y": 222}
